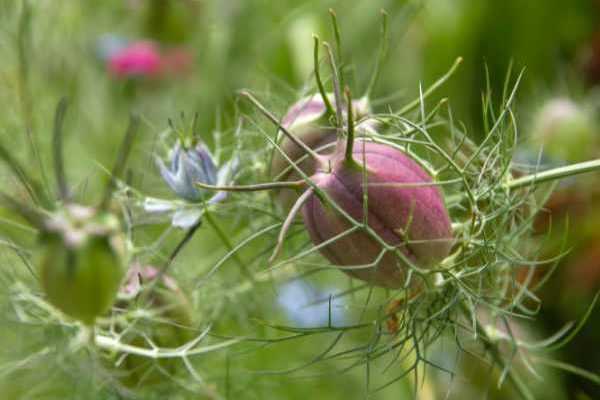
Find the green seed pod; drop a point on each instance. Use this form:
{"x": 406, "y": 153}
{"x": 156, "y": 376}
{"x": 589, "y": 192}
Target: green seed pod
{"x": 82, "y": 261}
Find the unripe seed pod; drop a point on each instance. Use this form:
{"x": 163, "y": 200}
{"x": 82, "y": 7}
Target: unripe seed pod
{"x": 404, "y": 209}
{"x": 307, "y": 120}
{"x": 82, "y": 262}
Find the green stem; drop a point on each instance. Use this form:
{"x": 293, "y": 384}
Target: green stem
{"x": 122, "y": 156}
{"x": 541, "y": 177}
{"x": 337, "y": 92}
{"x": 554, "y": 174}
{"x": 24, "y": 32}
{"x": 211, "y": 221}
{"x": 338, "y": 43}
{"x": 57, "y": 148}
{"x": 275, "y": 121}
{"x": 33, "y": 187}
{"x": 580, "y": 372}
{"x": 380, "y": 56}
{"x": 431, "y": 88}
{"x": 182, "y": 243}
{"x": 254, "y": 188}
{"x": 350, "y": 138}
{"x": 30, "y": 214}
{"x": 326, "y": 101}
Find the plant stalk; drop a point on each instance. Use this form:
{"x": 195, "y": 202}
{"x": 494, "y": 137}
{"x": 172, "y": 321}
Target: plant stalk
{"x": 223, "y": 237}
{"x": 554, "y": 174}
{"x": 350, "y": 138}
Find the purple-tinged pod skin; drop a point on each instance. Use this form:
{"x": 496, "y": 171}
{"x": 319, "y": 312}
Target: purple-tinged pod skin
{"x": 412, "y": 218}
{"x": 306, "y": 119}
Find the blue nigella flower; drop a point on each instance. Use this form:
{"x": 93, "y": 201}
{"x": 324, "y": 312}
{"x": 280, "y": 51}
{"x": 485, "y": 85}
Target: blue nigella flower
{"x": 183, "y": 169}
{"x": 188, "y": 166}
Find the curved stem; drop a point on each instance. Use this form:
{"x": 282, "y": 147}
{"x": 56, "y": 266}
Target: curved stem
{"x": 336, "y": 88}
{"x": 324, "y": 96}
{"x": 338, "y": 43}
{"x": 123, "y": 155}
{"x": 30, "y": 214}
{"x": 381, "y": 55}
{"x": 275, "y": 121}
{"x": 288, "y": 222}
{"x": 33, "y": 187}
{"x": 253, "y": 188}
{"x": 161, "y": 273}
{"x": 223, "y": 237}
{"x": 57, "y": 148}
{"x": 432, "y": 88}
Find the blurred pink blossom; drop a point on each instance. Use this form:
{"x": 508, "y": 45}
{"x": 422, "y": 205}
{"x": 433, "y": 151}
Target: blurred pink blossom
{"x": 138, "y": 59}
{"x": 138, "y": 275}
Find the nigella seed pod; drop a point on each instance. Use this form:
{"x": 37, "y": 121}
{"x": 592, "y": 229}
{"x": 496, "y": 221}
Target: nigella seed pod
{"x": 406, "y": 223}
{"x": 307, "y": 120}
{"x": 188, "y": 166}
{"x": 404, "y": 209}
{"x": 82, "y": 261}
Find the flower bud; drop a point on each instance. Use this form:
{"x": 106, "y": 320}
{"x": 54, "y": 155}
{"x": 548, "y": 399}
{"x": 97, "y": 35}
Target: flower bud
{"x": 565, "y": 130}
{"x": 188, "y": 166}
{"x": 405, "y": 209}
{"x": 307, "y": 120}
{"x": 82, "y": 261}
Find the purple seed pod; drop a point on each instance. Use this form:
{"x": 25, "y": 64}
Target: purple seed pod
{"x": 404, "y": 209}
{"x": 307, "y": 120}
{"x": 407, "y": 223}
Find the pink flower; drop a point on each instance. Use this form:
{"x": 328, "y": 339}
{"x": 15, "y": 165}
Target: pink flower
{"x": 139, "y": 59}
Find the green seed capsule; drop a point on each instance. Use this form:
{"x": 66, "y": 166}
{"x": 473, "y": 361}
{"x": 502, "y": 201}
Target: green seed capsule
{"x": 81, "y": 262}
